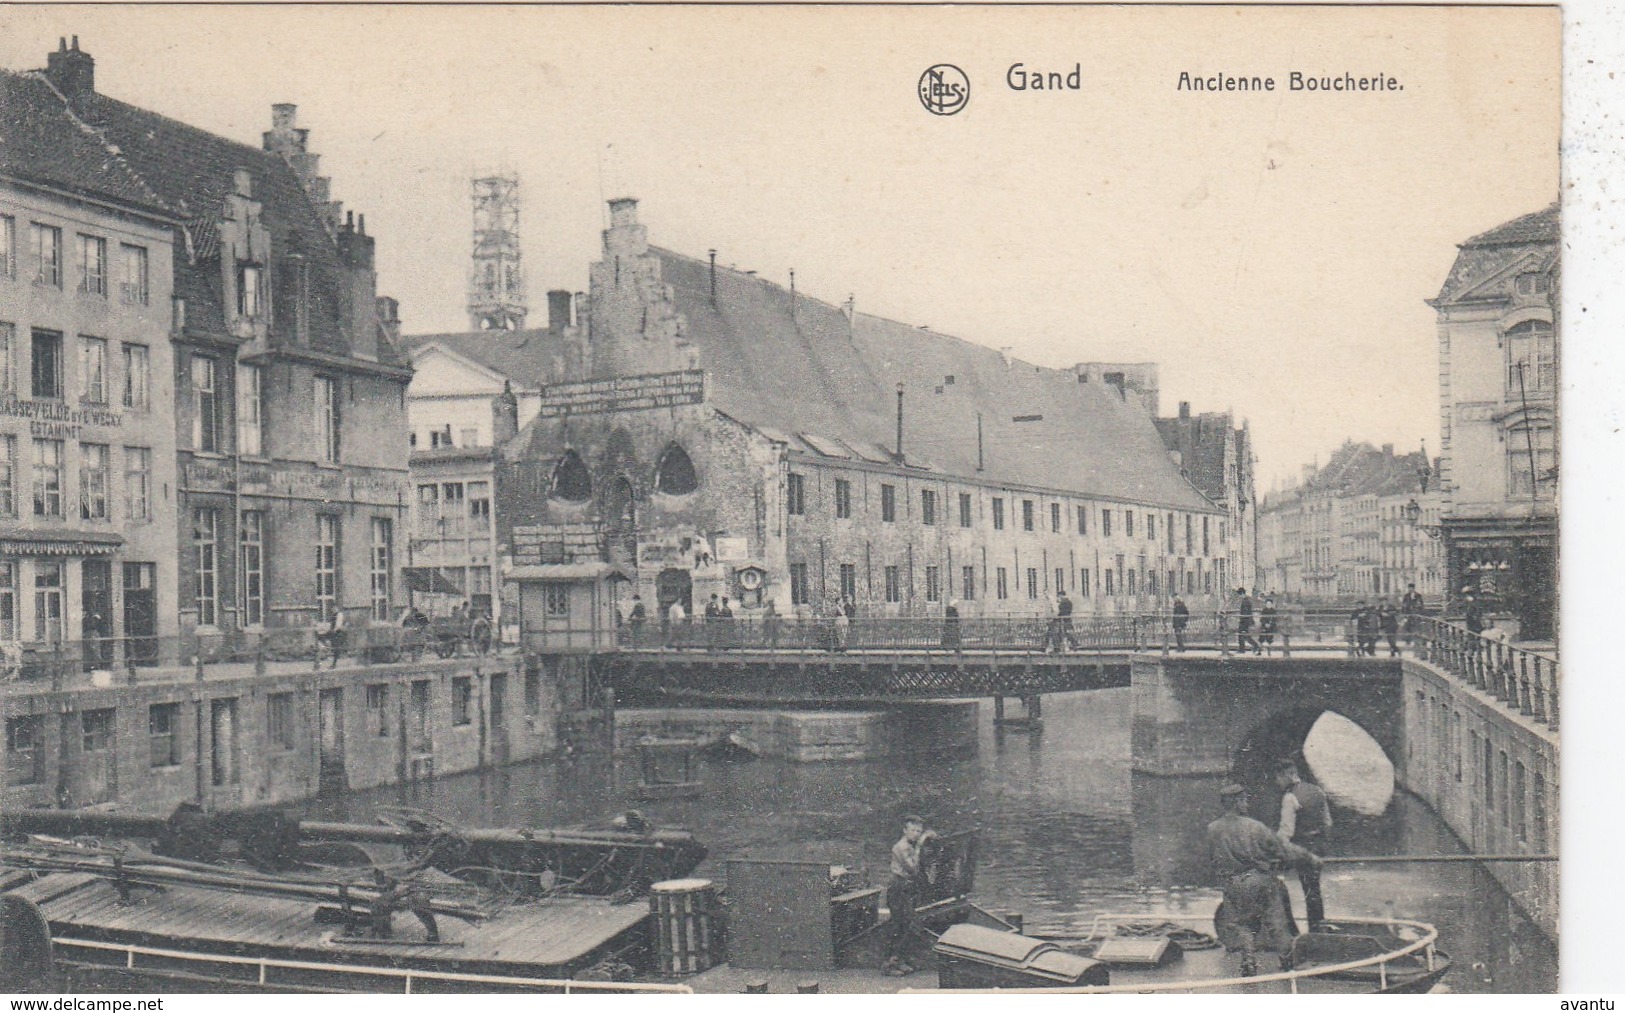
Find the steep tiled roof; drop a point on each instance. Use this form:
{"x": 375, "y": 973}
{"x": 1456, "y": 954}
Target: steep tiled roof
{"x": 122, "y": 151}
{"x": 1485, "y": 255}
{"x": 813, "y": 371}
{"x": 41, "y": 141}
{"x": 1537, "y": 227}
{"x": 529, "y": 357}
{"x": 1359, "y": 469}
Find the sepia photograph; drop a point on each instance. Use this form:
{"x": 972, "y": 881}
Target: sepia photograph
{"x": 787, "y": 499}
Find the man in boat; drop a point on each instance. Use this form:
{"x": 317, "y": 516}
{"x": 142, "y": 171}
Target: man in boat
{"x": 903, "y": 894}
{"x": 1306, "y": 818}
{"x": 1246, "y": 859}
{"x": 393, "y": 895}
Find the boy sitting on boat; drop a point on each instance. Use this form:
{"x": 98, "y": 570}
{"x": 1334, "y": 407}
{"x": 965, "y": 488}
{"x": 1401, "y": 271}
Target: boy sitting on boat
{"x": 1247, "y": 857}
{"x": 394, "y": 895}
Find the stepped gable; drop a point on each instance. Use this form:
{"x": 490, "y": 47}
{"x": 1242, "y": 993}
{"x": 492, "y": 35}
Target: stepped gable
{"x": 814, "y": 372}
{"x": 189, "y": 172}
{"x": 1485, "y": 254}
{"x": 41, "y": 141}
{"x": 524, "y": 356}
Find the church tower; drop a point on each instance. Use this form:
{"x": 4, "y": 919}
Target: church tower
{"x": 496, "y": 280}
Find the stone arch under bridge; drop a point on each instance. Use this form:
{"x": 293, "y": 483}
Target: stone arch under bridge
{"x": 1205, "y": 716}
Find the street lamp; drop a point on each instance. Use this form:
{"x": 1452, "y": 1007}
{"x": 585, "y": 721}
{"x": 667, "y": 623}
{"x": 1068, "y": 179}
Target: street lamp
{"x": 1413, "y": 515}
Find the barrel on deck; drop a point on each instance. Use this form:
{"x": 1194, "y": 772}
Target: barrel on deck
{"x": 683, "y": 910}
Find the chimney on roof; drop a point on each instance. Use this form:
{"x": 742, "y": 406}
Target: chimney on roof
{"x": 713, "y": 277}
{"x": 1388, "y": 450}
{"x": 1184, "y": 409}
{"x": 583, "y": 312}
{"x": 623, "y": 212}
{"x": 558, "y": 309}
{"x": 71, "y": 71}
{"x": 360, "y": 291}
{"x": 504, "y": 415}
{"x": 389, "y": 315}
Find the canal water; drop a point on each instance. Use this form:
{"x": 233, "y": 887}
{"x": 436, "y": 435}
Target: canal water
{"x": 1066, "y": 828}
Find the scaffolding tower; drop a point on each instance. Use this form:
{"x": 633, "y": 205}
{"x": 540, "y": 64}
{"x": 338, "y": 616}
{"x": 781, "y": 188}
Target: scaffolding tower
{"x": 496, "y": 280}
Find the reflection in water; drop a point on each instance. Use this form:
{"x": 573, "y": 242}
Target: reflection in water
{"x": 1067, "y": 829}
{"x": 1349, "y": 765}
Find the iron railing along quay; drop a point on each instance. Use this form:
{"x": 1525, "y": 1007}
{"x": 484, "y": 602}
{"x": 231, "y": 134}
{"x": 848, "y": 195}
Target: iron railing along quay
{"x": 136, "y": 659}
{"x": 1524, "y": 679}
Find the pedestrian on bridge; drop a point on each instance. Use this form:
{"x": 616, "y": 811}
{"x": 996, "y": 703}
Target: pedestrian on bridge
{"x": 1411, "y": 607}
{"x": 1388, "y": 623}
{"x": 1182, "y": 619}
{"x": 1268, "y": 623}
{"x": 1244, "y": 623}
{"x": 951, "y": 640}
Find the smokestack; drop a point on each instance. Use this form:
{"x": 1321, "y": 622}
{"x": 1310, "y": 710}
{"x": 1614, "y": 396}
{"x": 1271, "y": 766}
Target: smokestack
{"x": 558, "y": 309}
{"x": 792, "y": 293}
{"x": 899, "y": 423}
{"x": 713, "y": 277}
{"x": 978, "y": 441}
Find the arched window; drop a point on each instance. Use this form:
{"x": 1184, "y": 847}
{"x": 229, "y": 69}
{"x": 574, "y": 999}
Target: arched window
{"x": 570, "y": 479}
{"x": 1531, "y": 359}
{"x": 674, "y": 475}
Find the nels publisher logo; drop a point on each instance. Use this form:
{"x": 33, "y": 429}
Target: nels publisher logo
{"x": 944, "y": 89}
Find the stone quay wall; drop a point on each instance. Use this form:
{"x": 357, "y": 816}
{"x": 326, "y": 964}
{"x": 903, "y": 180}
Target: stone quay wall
{"x": 241, "y": 740}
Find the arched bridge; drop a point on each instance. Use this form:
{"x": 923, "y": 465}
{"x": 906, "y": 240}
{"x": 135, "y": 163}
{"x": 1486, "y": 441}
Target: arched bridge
{"x": 1212, "y": 716}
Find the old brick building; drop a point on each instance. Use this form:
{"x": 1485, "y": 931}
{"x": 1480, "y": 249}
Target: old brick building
{"x": 726, "y": 435}
{"x": 288, "y": 424}
{"x": 87, "y": 432}
{"x": 1498, "y": 363}
{"x": 1217, "y": 456}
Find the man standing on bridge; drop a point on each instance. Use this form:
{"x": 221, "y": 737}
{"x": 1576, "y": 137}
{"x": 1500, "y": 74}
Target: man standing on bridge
{"x": 1306, "y": 819}
{"x": 1246, "y": 858}
{"x": 1244, "y": 623}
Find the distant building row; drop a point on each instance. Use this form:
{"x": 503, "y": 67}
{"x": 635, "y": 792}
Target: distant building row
{"x": 193, "y": 380}
{"x": 1364, "y": 526}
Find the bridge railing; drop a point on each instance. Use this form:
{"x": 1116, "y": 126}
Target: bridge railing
{"x": 1524, "y": 679}
{"x": 1016, "y": 633}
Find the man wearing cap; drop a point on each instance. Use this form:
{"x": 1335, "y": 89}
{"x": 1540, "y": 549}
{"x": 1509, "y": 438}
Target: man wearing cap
{"x": 903, "y": 894}
{"x": 1305, "y": 819}
{"x": 1246, "y": 859}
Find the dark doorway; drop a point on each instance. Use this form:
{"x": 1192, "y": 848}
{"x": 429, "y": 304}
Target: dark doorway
{"x": 223, "y": 742}
{"x": 499, "y": 718}
{"x": 96, "y": 617}
{"x": 1537, "y": 578}
{"x": 330, "y": 712}
{"x": 140, "y": 613}
{"x": 675, "y": 585}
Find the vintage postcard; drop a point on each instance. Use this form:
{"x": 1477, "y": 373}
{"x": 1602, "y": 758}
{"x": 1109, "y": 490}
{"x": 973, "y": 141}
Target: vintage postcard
{"x": 780, "y": 499}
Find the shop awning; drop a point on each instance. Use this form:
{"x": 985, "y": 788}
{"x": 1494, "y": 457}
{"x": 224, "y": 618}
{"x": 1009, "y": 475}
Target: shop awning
{"x": 33, "y": 542}
{"x": 568, "y": 571}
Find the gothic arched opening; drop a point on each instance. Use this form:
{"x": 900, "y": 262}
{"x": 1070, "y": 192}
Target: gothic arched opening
{"x": 674, "y": 474}
{"x": 571, "y": 482}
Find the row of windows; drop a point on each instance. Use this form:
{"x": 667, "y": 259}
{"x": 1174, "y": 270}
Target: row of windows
{"x": 252, "y": 591}
{"x": 49, "y": 481}
{"x": 48, "y": 368}
{"x": 1125, "y": 581}
{"x": 453, "y": 509}
{"x": 796, "y": 500}
{"x": 208, "y": 411}
{"x": 89, "y": 274}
